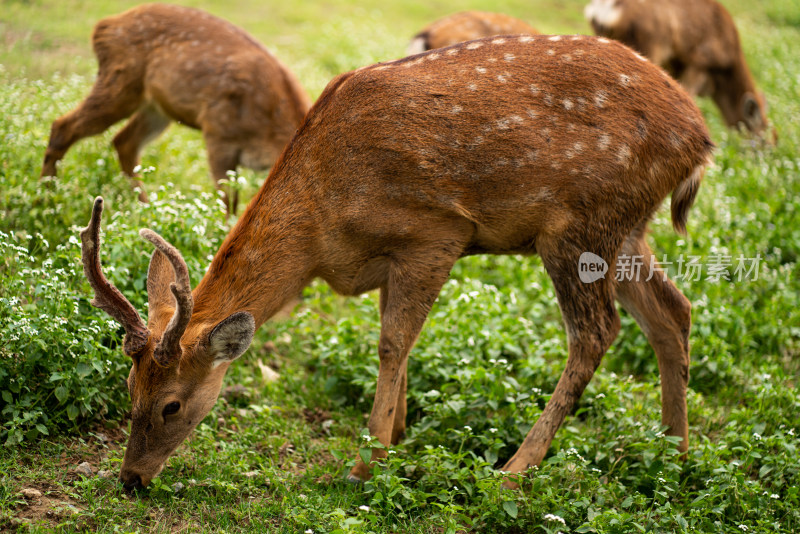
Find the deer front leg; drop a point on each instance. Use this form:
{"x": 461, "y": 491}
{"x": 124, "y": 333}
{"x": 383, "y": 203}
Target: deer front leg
{"x": 409, "y": 293}
{"x": 145, "y": 125}
{"x": 399, "y": 426}
{"x": 223, "y": 156}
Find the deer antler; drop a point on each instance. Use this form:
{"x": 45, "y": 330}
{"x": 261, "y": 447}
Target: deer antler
{"x": 107, "y": 297}
{"x": 168, "y": 349}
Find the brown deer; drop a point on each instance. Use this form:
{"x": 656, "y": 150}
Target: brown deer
{"x": 161, "y": 63}
{"x": 466, "y": 26}
{"x": 553, "y": 145}
{"x": 696, "y": 42}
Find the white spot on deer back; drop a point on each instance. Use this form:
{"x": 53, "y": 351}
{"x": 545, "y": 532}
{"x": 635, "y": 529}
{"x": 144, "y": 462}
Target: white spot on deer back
{"x": 603, "y": 141}
{"x": 509, "y": 57}
{"x": 603, "y": 40}
{"x": 474, "y": 45}
{"x": 624, "y": 80}
{"x": 456, "y": 109}
{"x": 452, "y": 52}
{"x": 566, "y": 57}
{"x": 623, "y": 154}
{"x": 472, "y": 87}
{"x": 534, "y": 89}
{"x": 492, "y": 60}
{"x": 551, "y": 52}
{"x": 432, "y": 57}
{"x": 554, "y": 38}
{"x": 532, "y": 113}
{"x": 568, "y": 104}
{"x": 480, "y": 70}
{"x": 600, "y": 98}
{"x": 525, "y": 39}
{"x": 498, "y": 41}
{"x": 502, "y": 78}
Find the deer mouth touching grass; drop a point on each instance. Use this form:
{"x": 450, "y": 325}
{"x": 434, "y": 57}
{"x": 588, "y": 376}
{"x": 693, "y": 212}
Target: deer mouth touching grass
{"x": 518, "y": 144}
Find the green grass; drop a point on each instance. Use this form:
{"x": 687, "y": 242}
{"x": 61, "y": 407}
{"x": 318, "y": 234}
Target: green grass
{"x": 274, "y": 458}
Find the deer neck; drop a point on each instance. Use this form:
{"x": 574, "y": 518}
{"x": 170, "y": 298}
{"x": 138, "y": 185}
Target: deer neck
{"x": 265, "y": 261}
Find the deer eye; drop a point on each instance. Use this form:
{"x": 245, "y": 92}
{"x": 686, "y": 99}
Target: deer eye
{"x": 171, "y": 408}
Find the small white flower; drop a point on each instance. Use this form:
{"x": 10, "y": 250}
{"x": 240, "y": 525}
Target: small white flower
{"x": 493, "y": 430}
{"x": 308, "y": 531}
{"x": 553, "y": 517}
{"x": 364, "y": 508}
{"x": 756, "y": 436}
{"x": 743, "y": 527}
{"x": 468, "y": 428}
{"x": 774, "y": 496}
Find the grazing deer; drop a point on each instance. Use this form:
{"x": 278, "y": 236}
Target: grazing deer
{"x": 466, "y": 26}
{"x": 696, "y": 42}
{"x": 508, "y": 145}
{"x": 161, "y": 63}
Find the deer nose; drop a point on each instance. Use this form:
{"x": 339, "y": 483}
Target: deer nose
{"x": 131, "y": 481}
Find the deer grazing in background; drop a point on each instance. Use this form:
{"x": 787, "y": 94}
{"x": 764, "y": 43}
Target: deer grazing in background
{"x": 161, "y": 63}
{"x": 554, "y": 145}
{"x": 697, "y": 43}
{"x": 466, "y": 26}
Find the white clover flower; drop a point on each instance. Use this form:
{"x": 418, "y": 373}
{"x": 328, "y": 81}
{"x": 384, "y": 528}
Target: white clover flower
{"x": 555, "y": 518}
{"x": 364, "y": 508}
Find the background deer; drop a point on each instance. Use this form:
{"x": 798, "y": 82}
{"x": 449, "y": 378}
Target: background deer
{"x": 466, "y": 26}
{"x": 508, "y": 145}
{"x": 696, "y": 42}
{"x": 161, "y": 63}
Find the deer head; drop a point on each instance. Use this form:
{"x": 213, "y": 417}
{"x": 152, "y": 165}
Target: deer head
{"x": 177, "y": 366}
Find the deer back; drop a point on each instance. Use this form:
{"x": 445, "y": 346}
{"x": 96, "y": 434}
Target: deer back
{"x": 521, "y": 135}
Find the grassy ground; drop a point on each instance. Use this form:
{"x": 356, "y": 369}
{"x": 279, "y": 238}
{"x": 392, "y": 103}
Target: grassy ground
{"x": 272, "y": 455}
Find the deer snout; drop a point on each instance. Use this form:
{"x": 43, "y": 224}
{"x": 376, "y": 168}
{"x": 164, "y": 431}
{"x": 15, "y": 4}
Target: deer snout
{"x": 130, "y": 480}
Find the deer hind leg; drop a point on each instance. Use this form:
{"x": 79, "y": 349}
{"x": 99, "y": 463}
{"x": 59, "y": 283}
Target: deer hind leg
{"x": 664, "y": 315}
{"x": 108, "y": 102}
{"x": 223, "y": 156}
{"x": 592, "y": 324}
{"x": 413, "y": 283}
{"x": 143, "y": 127}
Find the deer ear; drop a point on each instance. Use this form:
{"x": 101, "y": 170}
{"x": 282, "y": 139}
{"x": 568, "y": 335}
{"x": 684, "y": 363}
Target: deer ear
{"x": 159, "y": 276}
{"x": 751, "y": 111}
{"x": 231, "y": 337}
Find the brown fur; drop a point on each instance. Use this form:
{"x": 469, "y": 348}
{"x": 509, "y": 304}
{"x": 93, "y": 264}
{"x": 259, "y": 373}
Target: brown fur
{"x": 515, "y": 144}
{"x": 161, "y": 63}
{"x": 466, "y": 26}
{"x": 696, "y": 41}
